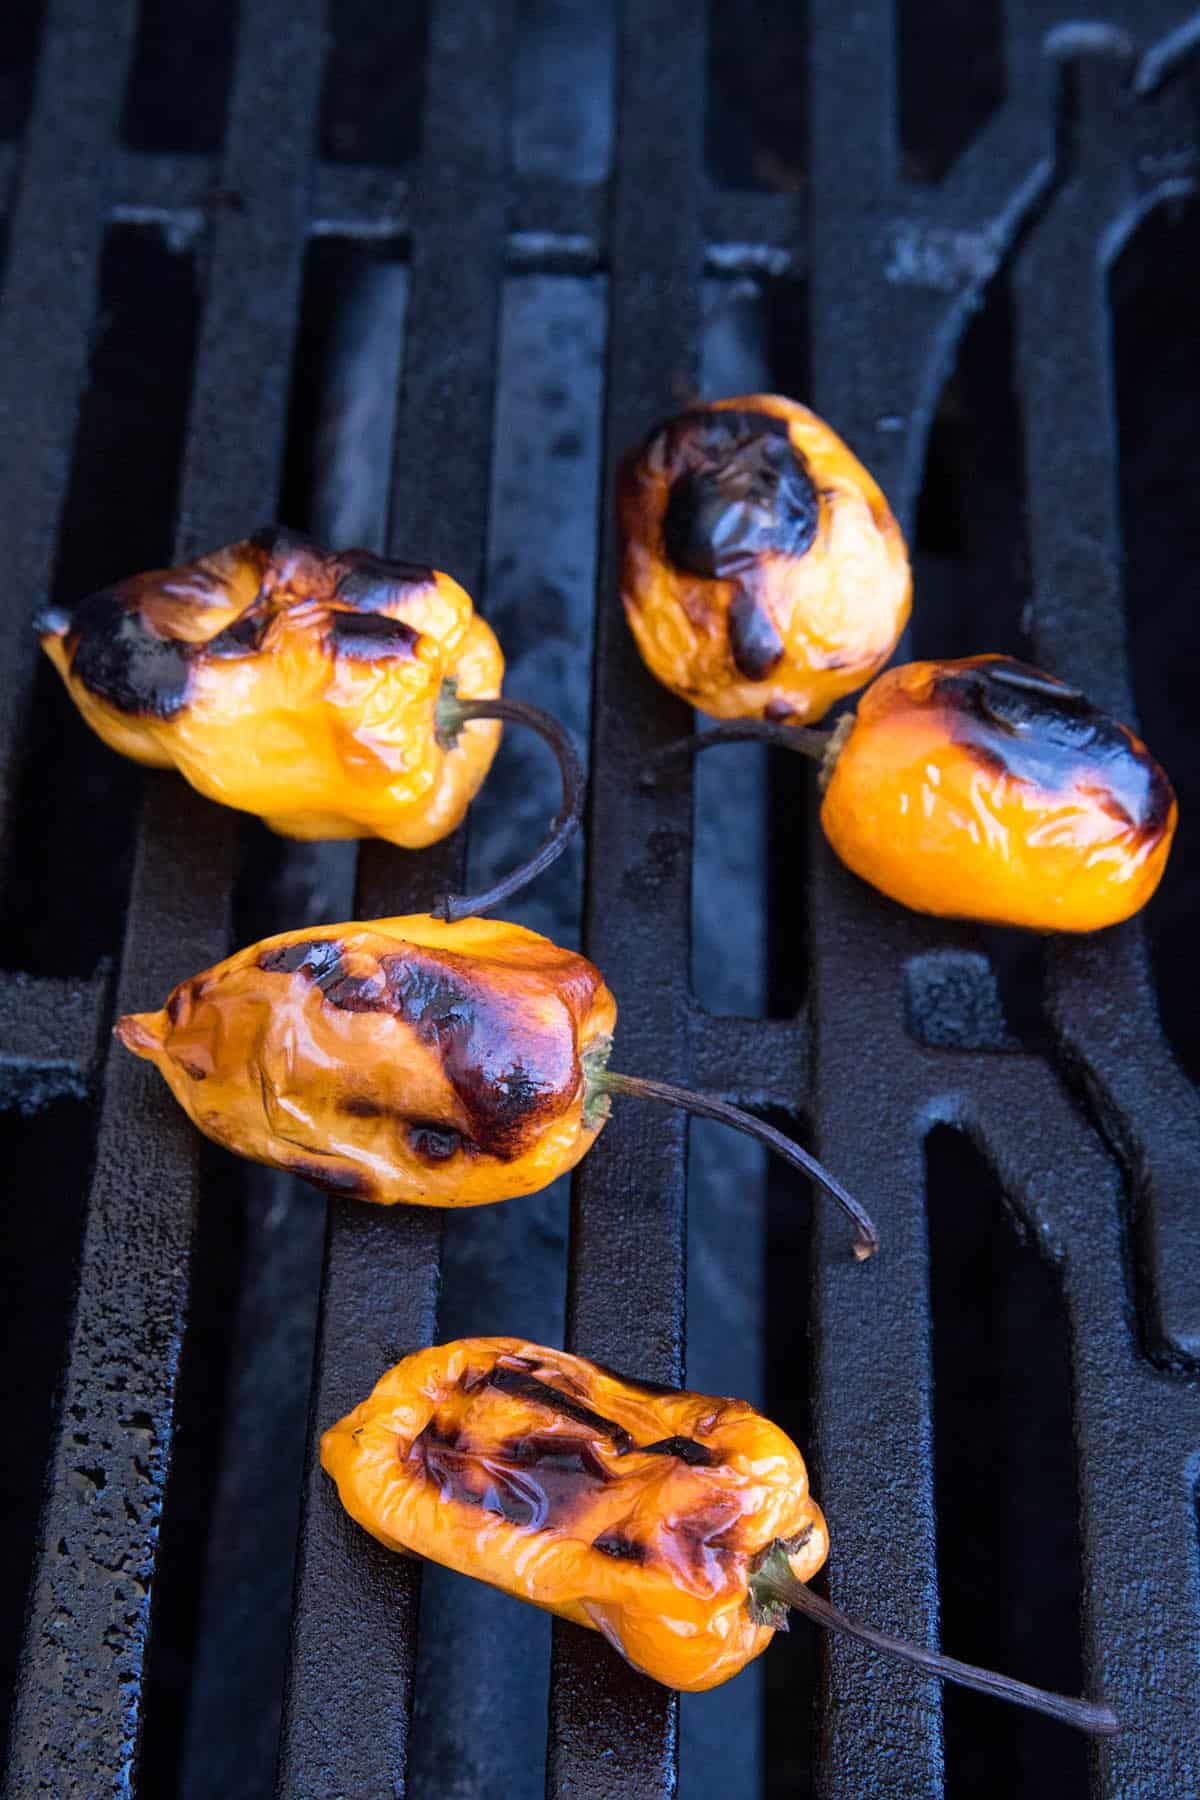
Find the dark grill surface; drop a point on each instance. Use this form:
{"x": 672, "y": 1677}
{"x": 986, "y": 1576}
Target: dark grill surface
{"x": 485, "y": 248}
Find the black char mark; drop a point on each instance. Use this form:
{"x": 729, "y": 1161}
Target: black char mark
{"x": 319, "y": 958}
{"x": 699, "y": 1456}
{"x": 511, "y": 1380}
{"x": 745, "y": 492}
{"x": 753, "y": 639}
{"x": 122, "y": 661}
{"x": 371, "y": 637}
{"x": 373, "y": 583}
{"x": 243, "y": 638}
{"x": 1024, "y": 724}
{"x": 619, "y": 1547}
{"x": 436, "y": 1143}
{"x": 538, "y": 1482}
{"x": 527, "y": 1387}
{"x": 503, "y": 1068}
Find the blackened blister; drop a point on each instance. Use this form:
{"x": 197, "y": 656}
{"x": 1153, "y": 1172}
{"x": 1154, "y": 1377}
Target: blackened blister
{"x": 121, "y": 660}
{"x": 371, "y": 636}
{"x": 620, "y": 1547}
{"x": 244, "y": 637}
{"x": 697, "y": 1456}
{"x": 318, "y": 957}
{"x": 523, "y": 1386}
{"x": 1026, "y": 725}
{"x": 756, "y": 645}
{"x": 375, "y": 582}
{"x": 436, "y": 1143}
{"x": 745, "y": 491}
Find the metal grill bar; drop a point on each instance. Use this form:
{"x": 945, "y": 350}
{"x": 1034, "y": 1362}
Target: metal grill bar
{"x": 356, "y": 1607}
{"x": 625, "y": 1295}
{"x": 49, "y": 300}
{"x": 78, "y": 1714}
{"x": 873, "y": 1369}
{"x": 1101, "y": 993}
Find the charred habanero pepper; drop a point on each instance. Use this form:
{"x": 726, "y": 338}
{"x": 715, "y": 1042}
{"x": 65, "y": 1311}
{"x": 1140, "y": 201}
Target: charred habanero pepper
{"x": 762, "y": 572}
{"x": 680, "y": 1525}
{"x": 983, "y": 789}
{"x": 336, "y": 694}
{"x": 411, "y": 1060}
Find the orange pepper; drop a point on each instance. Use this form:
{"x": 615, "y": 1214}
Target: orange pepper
{"x": 983, "y": 789}
{"x": 412, "y": 1060}
{"x": 292, "y": 682}
{"x": 679, "y": 1525}
{"x": 634, "y": 1510}
{"x": 401, "y": 1060}
{"x": 762, "y": 572}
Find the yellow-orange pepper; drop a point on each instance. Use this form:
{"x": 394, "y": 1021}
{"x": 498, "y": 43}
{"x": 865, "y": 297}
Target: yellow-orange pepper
{"x": 762, "y": 572}
{"x": 634, "y": 1510}
{"x": 412, "y": 1060}
{"x": 983, "y": 789}
{"x": 401, "y": 1060}
{"x": 679, "y": 1525}
{"x": 294, "y": 683}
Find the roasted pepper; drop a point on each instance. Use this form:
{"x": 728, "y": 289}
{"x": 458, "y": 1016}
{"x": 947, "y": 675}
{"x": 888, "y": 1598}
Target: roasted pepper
{"x": 679, "y": 1525}
{"x": 984, "y": 789}
{"x": 762, "y": 572}
{"x": 411, "y": 1060}
{"x": 336, "y": 694}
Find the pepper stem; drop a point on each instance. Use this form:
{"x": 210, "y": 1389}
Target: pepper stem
{"x": 452, "y": 715}
{"x": 773, "y": 1586}
{"x": 866, "y": 1237}
{"x": 821, "y": 747}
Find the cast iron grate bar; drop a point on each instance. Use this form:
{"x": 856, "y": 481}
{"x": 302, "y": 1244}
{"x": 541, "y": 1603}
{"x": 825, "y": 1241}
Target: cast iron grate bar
{"x": 78, "y": 1714}
{"x": 355, "y": 1623}
{"x": 626, "y": 1284}
{"x": 873, "y": 1378}
{"x": 48, "y": 302}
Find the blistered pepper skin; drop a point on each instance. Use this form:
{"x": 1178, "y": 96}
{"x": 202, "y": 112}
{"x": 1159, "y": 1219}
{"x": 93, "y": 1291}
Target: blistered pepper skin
{"x": 984, "y": 789}
{"x": 762, "y": 572}
{"x": 291, "y": 682}
{"x": 404, "y": 1060}
{"x": 632, "y": 1509}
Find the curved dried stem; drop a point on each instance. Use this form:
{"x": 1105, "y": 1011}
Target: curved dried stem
{"x": 866, "y": 1237}
{"x": 774, "y": 1586}
{"x": 453, "y": 713}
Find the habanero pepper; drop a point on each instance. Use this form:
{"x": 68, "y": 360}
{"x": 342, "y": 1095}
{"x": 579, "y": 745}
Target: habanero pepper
{"x": 679, "y": 1525}
{"x": 984, "y": 789}
{"x": 762, "y": 572}
{"x": 410, "y": 1060}
{"x": 337, "y": 694}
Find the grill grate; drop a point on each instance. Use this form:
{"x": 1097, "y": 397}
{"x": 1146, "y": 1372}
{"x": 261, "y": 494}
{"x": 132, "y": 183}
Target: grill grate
{"x": 1096, "y": 1147}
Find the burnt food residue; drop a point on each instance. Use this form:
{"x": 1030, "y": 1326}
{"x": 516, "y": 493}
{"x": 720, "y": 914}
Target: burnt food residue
{"x": 1021, "y": 723}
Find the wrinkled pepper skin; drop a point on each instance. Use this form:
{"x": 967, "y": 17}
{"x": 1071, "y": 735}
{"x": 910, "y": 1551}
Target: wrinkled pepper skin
{"x": 984, "y": 789}
{"x": 400, "y": 1060}
{"x": 762, "y": 572}
{"x": 291, "y": 682}
{"x": 633, "y": 1509}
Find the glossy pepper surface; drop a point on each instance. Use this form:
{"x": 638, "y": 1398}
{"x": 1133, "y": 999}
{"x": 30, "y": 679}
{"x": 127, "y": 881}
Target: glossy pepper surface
{"x": 400, "y": 1060}
{"x": 984, "y": 789}
{"x": 762, "y": 572}
{"x": 636, "y": 1510}
{"x": 295, "y": 683}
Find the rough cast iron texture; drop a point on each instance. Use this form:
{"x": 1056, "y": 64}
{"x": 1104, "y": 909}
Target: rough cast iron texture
{"x": 894, "y": 273}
